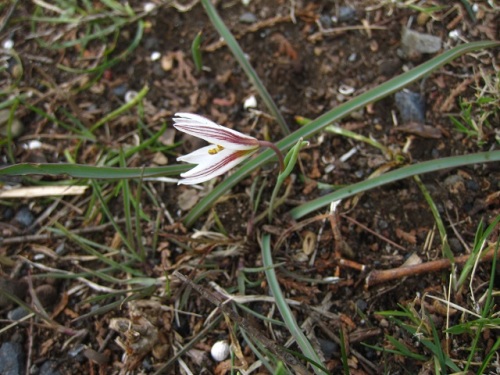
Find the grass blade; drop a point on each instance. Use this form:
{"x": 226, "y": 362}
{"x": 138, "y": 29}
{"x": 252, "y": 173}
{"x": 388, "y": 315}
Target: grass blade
{"x": 245, "y": 65}
{"x": 328, "y": 118}
{"x": 284, "y": 309}
{"x": 196, "y": 52}
{"x": 90, "y": 171}
{"x": 411, "y": 170}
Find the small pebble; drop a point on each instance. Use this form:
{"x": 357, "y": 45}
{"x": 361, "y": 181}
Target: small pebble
{"x": 49, "y": 368}
{"x": 329, "y": 168}
{"x": 361, "y": 304}
{"x": 382, "y": 224}
{"x": 359, "y": 173}
{"x": 17, "y": 314}
{"x": 415, "y": 43}
{"x": 8, "y": 44}
{"x": 167, "y": 62}
{"x": 346, "y": 90}
{"x": 160, "y": 159}
{"x": 187, "y": 199}
{"x": 248, "y": 17}
{"x": 346, "y": 14}
{"x": 455, "y": 245}
{"x": 328, "y": 347}
{"x": 411, "y": 106}
{"x": 130, "y": 95}
{"x": 326, "y": 21}
{"x": 120, "y": 90}
{"x": 155, "y": 56}
{"x": 220, "y": 351}
{"x": 76, "y": 350}
{"x": 472, "y": 185}
{"x": 12, "y": 358}
{"x": 250, "y": 102}
{"x": 149, "y": 7}
{"x": 24, "y": 217}
{"x": 454, "y": 34}
{"x": 33, "y": 145}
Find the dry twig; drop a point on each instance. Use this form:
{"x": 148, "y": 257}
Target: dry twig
{"x": 377, "y": 277}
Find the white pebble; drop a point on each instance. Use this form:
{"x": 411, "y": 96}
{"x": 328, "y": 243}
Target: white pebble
{"x": 33, "y": 145}
{"x": 148, "y": 7}
{"x": 454, "y": 34}
{"x": 130, "y": 95}
{"x": 220, "y": 351}
{"x": 155, "y": 56}
{"x": 346, "y": 90}
{"x": 8, "y": 44}
{"x": 250, "y": 102}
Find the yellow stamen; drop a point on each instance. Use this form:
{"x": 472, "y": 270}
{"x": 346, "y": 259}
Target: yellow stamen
{"x": 215, "y": 150}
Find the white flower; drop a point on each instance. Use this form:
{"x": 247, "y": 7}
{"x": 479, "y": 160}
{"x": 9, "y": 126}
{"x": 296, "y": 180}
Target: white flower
{"x": 228, "y": 148}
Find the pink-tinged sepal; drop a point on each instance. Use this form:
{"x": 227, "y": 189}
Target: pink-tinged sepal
{"x": 211, "y": 132}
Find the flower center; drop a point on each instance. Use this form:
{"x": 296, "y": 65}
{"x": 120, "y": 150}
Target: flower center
{"x": 215, "y": 150}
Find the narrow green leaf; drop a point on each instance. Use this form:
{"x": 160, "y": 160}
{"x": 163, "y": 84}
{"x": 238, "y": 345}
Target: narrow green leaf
{"x": 284, "y": 309}
{"x": 328, "y": 118}
{"x": 140, "y": 95}
{"x": 244, "y": 63}
{"x": 396, "y": 175}
{"x": 89, "y": 171}
{"x": 196, "y": 52}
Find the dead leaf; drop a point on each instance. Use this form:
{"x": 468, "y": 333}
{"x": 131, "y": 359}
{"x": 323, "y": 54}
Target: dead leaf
{"x": 421, "y": 130}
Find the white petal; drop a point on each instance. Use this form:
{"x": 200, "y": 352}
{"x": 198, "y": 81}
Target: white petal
{"x": 210, "y": 163}
{"x": 213, "y": 166}
{"x": 211, "y": 132}
{"x": 198, "y": 156}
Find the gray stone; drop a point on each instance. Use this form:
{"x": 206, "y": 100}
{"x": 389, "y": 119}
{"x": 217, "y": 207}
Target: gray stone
{"x": 411, "y": 106}
{"x": 24, "y": 217}
{"x": 49, "y": 368}
{"x": 248, "y": 17}
{"x": 12, "y": 359}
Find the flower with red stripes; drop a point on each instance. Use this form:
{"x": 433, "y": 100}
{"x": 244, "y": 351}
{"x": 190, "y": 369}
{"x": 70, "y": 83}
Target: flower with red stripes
{"x": 228, "y": 148}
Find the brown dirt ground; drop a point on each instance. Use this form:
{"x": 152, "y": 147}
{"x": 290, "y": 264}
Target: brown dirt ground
{"x": 303, "y": 70}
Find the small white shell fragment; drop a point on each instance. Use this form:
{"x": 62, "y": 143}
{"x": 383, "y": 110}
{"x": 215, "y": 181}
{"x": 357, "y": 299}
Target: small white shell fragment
{"x": 148, "y": 7}
{"x": 331, "y": 279}
{"x": 155, "y": 56}
{"x": 245, "y": 2}
{"x": 8, "y": 44}
{"x": 348, "y": 154}
{"x": 346, "y": 90}
{"x": 250, "y": 102}
{"x": 220, "y": 350}
{"x": 329, "y": 168}
{"x": 130, "y": 95}
{"x": 33, "y": 145}
{"x": 454, "y": 34}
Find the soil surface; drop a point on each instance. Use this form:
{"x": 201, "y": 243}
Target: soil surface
{"x": 311, "y": 56}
